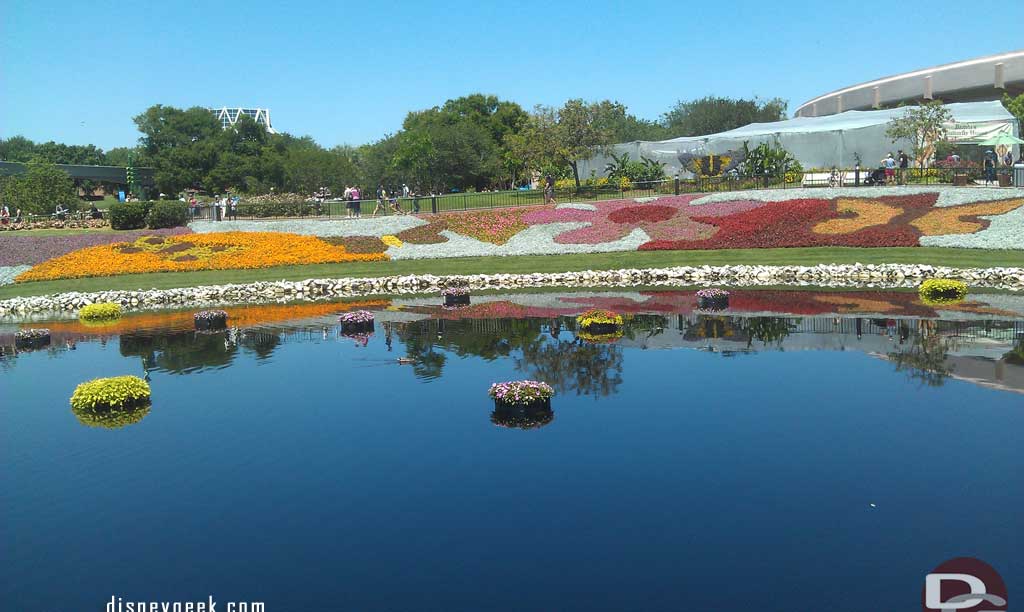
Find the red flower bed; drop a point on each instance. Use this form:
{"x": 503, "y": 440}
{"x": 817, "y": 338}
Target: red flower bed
{"x": 637, "y": 214}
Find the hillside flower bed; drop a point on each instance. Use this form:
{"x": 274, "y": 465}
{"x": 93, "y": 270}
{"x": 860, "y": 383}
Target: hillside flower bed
{"x": 223, "y": 251}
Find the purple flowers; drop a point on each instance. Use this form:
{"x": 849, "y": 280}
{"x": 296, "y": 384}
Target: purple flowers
{"x": 22, "y": 248}
{"x": 521, "y": 392}
{"x": 712, "y": 293}
{"x": 356, "y": 316}
{"x": 455, "y": 291}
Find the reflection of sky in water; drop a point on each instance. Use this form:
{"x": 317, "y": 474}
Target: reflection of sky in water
{"x": 286, "y": 456}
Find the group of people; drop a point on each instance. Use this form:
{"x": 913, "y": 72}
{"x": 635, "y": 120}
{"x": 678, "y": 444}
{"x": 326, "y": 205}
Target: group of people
{"x": 60, "y": 212}
{"x": 226, "y": 206}
{"x": 891, "y": 164}
{"x": 5, "y": 215}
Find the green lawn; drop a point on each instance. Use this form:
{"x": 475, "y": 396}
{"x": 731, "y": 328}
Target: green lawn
{"x": 61, "y": 232}
{"x": 538, "y": 263}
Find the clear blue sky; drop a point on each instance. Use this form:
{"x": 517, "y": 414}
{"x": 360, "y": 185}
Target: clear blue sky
{"x": 348, "y": 72}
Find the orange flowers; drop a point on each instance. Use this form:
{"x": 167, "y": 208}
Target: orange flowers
{"x": 217, "y": 251}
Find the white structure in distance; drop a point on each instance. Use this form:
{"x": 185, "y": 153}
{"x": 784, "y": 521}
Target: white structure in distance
{"x": 229, "y": 116}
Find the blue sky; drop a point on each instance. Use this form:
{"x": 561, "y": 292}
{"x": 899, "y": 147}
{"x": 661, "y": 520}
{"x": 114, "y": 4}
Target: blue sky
{"x": 342, "y": 72}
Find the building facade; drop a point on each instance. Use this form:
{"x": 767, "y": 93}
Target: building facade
{"x": 981, "y": 79}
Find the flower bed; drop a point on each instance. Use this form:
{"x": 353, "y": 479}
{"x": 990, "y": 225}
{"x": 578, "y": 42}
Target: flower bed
{"x": 210, "y": 319}
{"x": 937, "y": 291}
{"x": 224, "y": 251}
{"x": 31, "y": 339}
{"x": 521, "y": 393}
{"x": 712, "y": 298}
{"x": 27, "y": 249}
{"x": 357, "y": 321}
{"x": 55, "y": 224}
{"x": 106, "y": 311}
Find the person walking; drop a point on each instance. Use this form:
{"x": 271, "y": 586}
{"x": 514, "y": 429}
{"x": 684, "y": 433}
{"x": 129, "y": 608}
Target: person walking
{"x": 347, "y": 197}
{"x": 549, "y": 189}
{"x": 990, "y": 167}
{"x": 904, "y": 161}
{"x": 382, "y": 194}
{"x": 233, "y": 209}
{"x": 357, "y": 204}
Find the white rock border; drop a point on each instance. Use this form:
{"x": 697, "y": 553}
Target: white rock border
{"x": 856, "y": 275}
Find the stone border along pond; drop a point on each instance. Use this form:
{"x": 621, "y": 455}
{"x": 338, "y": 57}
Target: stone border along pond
{"x": 850, "y": 275}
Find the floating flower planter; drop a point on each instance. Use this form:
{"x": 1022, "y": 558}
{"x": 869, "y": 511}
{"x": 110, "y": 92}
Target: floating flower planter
{"x": 111, "y": 402}
{"x": 597, "y": 322}
{"x": 455, "y": 296}
{"x": 29, "y": 339}
{"x": 100, "y": 313}
{"x": 520, "y": 393}
{"x": 523, "y": 417}
{"x": 940, "y": 291}
{"x": 356, "y": 322}
{"x": 712, "y": 298}
{"x": 210, "y": 319}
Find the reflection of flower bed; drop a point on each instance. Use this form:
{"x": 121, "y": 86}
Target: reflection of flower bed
{"x": 712, "y": 298}
{"x": 532, "y": 416}
{"x": 599, "y": 337}
{"x": 111, "y": 418}
{"x": 214, "y": 251}
{"x": 356, "y": 322}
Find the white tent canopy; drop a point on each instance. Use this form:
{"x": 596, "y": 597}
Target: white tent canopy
{"x": 816, "y": 142}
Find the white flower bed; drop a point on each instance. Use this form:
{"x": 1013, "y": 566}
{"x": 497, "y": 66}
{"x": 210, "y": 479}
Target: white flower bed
{"x": 365, "y": 226}
{"x": 948, "y": 196}
{"x": 8, "y": 273}
{"x": 1004, "y": 232}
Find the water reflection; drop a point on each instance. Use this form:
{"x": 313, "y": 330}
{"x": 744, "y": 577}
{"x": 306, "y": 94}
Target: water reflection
{"x": 533, "y": 416}
{"x": 924, "y": 358}
{"x": 183, "y": 352}
{"x": 111, "y": 418}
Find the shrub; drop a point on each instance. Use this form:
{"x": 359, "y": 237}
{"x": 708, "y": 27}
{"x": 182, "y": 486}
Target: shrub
{"x": 115, "y": 392}
{"x": 597, "y": 316}
{"x": 167, "y": 214}
{"x": 942, "y": 291}
{"x": 273, "y": 209}
{"x": 100, "y": 312}
{"x": 128, "y": 215}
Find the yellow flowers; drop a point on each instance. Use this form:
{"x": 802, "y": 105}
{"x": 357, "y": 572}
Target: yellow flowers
{"x": 106, "y": 311}
{"x": 937, "y": 291}
{"x": 190, "y": 252}
{"x": 598, "y": 317}
{"x": 391, "y": 240}
{"x": 115, "y": 392}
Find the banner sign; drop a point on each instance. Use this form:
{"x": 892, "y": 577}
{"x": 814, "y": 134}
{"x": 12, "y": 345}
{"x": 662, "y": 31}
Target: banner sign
{"x": 965, "y": 133}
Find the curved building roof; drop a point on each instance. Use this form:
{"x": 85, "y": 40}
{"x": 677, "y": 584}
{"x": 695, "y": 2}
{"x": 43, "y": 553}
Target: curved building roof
{"x": 983, "y": 78}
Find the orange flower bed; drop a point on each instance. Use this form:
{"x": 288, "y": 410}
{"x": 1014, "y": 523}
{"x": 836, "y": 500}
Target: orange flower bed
{"x": 192, "y": 252}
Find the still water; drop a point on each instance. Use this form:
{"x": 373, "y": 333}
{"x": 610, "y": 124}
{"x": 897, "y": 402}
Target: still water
{"x": 794, "y": 458}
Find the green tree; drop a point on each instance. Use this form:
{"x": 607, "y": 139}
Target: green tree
{"x": 923, "y": 127}
{"x": 563, "y": 137}
{"x": 17, "y": 149}
{"x": 713, "y": 114}
{"x": 1016, "y": 108}
{"x": 39, "y": 189}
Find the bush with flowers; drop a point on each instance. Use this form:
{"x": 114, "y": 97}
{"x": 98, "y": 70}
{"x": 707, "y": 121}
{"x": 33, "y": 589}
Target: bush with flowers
{"x": 115, "y": 392}
{"x": 521, "y": 392}
{"x": 599, "y": 321}
{"x": 105, "y": 311}
{"x": 937, "y": 291}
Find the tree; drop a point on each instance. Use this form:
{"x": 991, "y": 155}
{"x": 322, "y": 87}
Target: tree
{"x": 711, "y": 114}
{"x": 39, "y": 189}
{"x": 563, "y": 137}
{"x": 1016, "y": 108}
{"x": 922, "y": 126}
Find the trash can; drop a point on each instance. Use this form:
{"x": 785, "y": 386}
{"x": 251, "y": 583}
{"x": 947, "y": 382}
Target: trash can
{"x": 1018, "y": 175}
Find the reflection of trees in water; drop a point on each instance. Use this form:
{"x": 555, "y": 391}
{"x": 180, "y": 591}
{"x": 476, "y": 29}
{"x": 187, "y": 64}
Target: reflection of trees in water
{"x": 768, "y": 330}
{"x": 712, "y": 327}
{"x": 181, "y": 352}
{"x": 924, "y": 358}
{"x": 111, "y": 418}
{"x": 523, "y": 417}
{"x": 1016, "y": 355}
{"x": 573, "y": 366}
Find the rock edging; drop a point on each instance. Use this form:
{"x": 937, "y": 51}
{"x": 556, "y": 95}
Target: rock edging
{"x": 858, "y": 275}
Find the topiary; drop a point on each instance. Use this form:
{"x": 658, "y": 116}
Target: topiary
{"x": 128, "y": 215}
{"x": 100, "y": 312}
{"x": 167, "y": 214}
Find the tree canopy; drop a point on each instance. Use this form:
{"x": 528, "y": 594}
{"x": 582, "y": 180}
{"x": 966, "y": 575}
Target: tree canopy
{"x": 712, "y": 114}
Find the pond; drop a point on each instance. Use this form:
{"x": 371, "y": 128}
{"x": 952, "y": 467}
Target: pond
{"x": 799, "y": 450}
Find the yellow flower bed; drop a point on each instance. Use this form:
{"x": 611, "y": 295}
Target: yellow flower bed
{"x": 597, "y": 316}
{"x": 936, "y": 291}
{"x": 391, "y": 240}
{"x": 113, "y": 392}
{"x": 191, "y": 252}
{"x": 106, "y": 311}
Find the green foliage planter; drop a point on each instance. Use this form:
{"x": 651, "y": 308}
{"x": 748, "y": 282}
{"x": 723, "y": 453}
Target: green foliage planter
{"x": 103, "y": 312}
{"x": 31, "y": 339}
{"x": 938, "y": 291}
{"x": 111, "y": 402}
